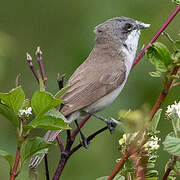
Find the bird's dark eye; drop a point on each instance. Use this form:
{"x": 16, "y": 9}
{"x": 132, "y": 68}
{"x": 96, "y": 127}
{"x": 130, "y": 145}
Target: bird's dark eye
{"x": 128, "y": 27}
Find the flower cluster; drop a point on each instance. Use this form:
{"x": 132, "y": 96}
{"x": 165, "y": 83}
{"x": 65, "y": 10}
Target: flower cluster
{"x": 25, "y": 112}
{"x": 150, "y": 145}
{"x": 174, "y": 109}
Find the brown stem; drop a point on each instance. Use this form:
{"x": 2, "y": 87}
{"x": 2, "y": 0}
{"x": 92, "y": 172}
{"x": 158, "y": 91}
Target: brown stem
{"x": 41, "y": 66}
{"x": 166, "y": 174}
{"x": 163, "y": 27}
{"x": 29, "y": 60}
{"x": 119, "y": 165}
{"x": 164, "y": 93}
{"x": 13, "y": 172}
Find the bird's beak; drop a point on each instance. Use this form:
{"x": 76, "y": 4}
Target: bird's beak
{"x": 142, "y": 25}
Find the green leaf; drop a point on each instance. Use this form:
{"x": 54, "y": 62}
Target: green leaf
{"x": 7, "y": 156}
{"x": 159, "y": 55}
{"x": 176, "y": 125}
{"x": 48, "y": 123}
{"x": 41, "y": 102}
{"x": 155, "y": 120}
{"x": 25, "y": 104}
{"x": 172, "y": 145}
{"x": 117, "y": 177}
{"x": 56, "y": 114}
{"x": 9, "y": 114}
{"x": 32, "y": 146}
{"x": 14, "y": 99}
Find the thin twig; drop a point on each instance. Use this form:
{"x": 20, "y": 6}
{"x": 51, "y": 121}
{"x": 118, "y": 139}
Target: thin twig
{"x": 89, "y": 138}
{"x": 46, "y": 167}
{"x": 61, "y": 146}
{"x": 41, "y": 66}
{"x": 163, "y": 27}
{"x": 166, "y": 174}
{"x": 119, "y": 165}
{"x": 68, "y": 152}
{"x": 29, "y": 60}
{"x": 81, "y": 124}
{"x": 163, "y": 93}
{"x": 13, "y": 172}
{"x": 171, "y": 164}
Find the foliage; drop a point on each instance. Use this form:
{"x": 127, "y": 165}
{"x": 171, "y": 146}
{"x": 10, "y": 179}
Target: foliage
{"x": 17, "y": 109}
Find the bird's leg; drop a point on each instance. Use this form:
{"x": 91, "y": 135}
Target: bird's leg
{"x": 110, "y": 123}
{"x": 85, "y": 142}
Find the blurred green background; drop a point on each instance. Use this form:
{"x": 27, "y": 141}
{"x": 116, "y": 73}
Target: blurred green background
{"x": 64, "y": 31}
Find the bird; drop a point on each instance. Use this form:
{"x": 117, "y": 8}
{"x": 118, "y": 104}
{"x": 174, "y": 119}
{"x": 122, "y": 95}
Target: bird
{"x": 98, "y": 81}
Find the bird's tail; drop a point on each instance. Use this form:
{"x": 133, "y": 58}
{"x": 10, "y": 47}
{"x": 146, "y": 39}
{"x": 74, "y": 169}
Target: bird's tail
{"x": 50, "y": 136}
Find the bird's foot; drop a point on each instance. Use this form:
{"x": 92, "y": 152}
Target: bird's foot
{"x": 84, "y": 141}
{"x": 110, "y": 123}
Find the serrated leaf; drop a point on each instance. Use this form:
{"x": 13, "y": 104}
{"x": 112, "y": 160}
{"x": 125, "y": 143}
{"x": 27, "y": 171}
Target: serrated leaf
{"x": 32, "y": 146}
{"x": 8, "y": 157}
{"x": 159, "y": 55}
{"x": 9, "y": 114}
{"x": 155, "y": 120}
{"x": 14, "y": 99}
{"x": 117, "y": 177}
{"x": 41, "y": 102}
{"x": 48, "y": 123}
{"x": 172, "y": 145}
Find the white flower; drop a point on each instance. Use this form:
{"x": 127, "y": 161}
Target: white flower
{"x": 152, "y": 144}
{"x": 25, "y": 112}
{"x": 174, "y": 108}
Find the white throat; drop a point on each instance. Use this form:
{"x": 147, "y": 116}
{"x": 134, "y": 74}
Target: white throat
{"x": 131, "y": 44}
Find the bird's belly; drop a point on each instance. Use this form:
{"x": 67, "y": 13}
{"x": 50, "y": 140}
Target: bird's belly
{"x": 104, "y": 101}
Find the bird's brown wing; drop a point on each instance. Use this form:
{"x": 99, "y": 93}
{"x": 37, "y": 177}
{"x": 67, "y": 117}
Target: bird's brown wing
{"x": 94, "y": 81}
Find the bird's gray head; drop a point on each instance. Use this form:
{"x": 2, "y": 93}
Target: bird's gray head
{"x": 120, "y": 29}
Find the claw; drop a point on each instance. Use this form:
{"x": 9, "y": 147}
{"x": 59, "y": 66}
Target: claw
{"x": 85, "y": 143}
{"x": 111, "y": 125}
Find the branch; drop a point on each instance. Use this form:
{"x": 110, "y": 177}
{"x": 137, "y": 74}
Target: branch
{"x": 166, "y": 174}
{"x": 29, "y": 60}
{"x": 120, "y": 165}
{"x": 81, "y": 124}
{"x": 61, "y": 146}
{"x": 41, "y": 66}
{"x": 171, "y": 164}
{"x": 89, "y": 138}
{"x": 162, "y": 95}
{"x": 163, "y": 27}
{"x": 13, "y": 172}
